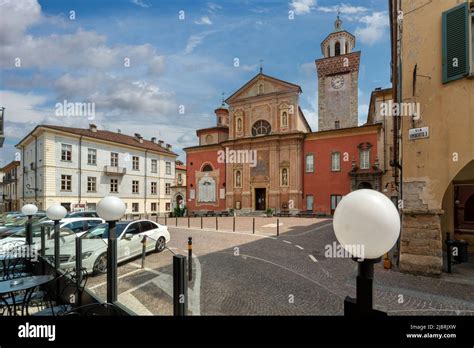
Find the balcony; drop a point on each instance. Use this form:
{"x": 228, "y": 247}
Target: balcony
{"x": 8, "y": 179}
{"x": 111, "y": 170}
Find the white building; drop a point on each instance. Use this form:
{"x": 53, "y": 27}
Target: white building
{"x": 77, "y": 167}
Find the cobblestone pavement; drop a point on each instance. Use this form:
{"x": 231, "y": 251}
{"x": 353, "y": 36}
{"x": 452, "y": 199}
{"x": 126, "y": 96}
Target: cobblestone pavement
{"x": 238, "y": 273}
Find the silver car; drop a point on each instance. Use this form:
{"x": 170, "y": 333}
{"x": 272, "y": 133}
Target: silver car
{"x": 129, "y": 236}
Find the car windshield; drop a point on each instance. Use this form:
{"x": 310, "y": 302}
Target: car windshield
{"x": 36, "y": 228}
{"x": 102, "y": 231}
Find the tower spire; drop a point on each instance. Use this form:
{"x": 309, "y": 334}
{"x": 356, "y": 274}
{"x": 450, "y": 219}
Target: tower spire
{"x": 261, "y": 66}
{"x": 338, "y": 22}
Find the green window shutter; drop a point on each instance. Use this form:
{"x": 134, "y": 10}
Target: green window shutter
{"x": 456, "y": 43}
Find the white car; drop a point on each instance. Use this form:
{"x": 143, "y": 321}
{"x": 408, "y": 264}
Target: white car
{"x": 129, "y": 236}
{"x": 69, "y": 229}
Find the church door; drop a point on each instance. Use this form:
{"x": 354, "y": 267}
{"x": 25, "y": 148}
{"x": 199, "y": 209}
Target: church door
{"x": 260, "y": 194}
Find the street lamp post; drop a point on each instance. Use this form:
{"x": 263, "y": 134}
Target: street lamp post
{"x": 111, "y": 209}
{"x": 29, "y": 210}
{"x": 367, "y": 225}
{"x": 56, "y": 213}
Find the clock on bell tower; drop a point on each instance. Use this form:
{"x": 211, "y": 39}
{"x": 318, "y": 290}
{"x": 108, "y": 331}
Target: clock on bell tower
{"x": 338, "y": 74}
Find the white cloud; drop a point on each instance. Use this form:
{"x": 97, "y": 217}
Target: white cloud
{"x": 345, "y": 9}
{"x": 140, "y": 3}
{"x": 375, "y": 27}
{"x": 23, "y": 107}
{"x": 195, "y": 40}
{"x": 205, "y": 20}
{"x": 308, "y": 68}
{"x": 213, "y": 8}
{"x": 15, "y": 17}
{"x": 302, "y": 6}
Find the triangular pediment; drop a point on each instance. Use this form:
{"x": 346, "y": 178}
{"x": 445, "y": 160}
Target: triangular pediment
{"x": 261, "y": 85}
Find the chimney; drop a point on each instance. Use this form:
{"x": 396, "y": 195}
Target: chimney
{"x": 153, "y": 140}
{"x": 139, "y": 137}
{"x": 93, "y": 128}
{"x": 168, "y": 147}
{"x": 119, "y": 131}
{"x": 160, "y": 142}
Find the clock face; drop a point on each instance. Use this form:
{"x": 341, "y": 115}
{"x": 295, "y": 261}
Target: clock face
{"x": 337, "y": 81}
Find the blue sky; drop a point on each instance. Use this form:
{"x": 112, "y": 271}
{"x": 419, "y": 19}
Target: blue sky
{"x": 173, "y": 62}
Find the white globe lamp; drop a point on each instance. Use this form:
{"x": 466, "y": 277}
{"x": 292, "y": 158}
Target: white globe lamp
{"x": 367, "y": 225}
{"x": 56, "y": 212}
{"x": 29, "y": 209}
{"x": 111, "y": 208}
{"x": 366, "y": 219}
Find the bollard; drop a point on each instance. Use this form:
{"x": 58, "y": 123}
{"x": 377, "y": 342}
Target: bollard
{"x": 233, "y": 224}
{"x": 180, "y": 286}
{"x": 43, "y": 242}
{"x": 190, "y": 258}
{"x": 189, "y": 223}
{"x": 143, "y": 251}
{"x": 176, "y": 221}
{"x": 166, "y": 224}
{"x": 201, "y": 222}
{"x": 278, "y": 227}
{"x": 78, "y": 262}
{"x": 253, "y": 226}
{"x": 217, "y": 226}
{"x": 156, "y": 218}
{"x": 56, "y": 245}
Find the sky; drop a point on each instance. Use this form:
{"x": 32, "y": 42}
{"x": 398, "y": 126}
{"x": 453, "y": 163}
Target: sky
{"x": 160, "y": 68}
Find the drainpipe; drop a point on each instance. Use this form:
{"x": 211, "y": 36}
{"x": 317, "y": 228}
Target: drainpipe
{"x": 34, "y": 168}
{"x": 146, "y": 178}
{"x": 24, "y": 172}
{"x": 80, "y": 170}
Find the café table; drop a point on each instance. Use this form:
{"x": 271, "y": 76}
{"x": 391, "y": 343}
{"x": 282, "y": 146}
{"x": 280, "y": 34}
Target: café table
{"x": 25, "y": 284}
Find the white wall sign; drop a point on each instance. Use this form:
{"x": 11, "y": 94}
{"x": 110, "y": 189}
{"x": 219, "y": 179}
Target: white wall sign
{"x": 222, "y": 193}
{"x": 418, "y": 133}
{"x": 192, "y": 194}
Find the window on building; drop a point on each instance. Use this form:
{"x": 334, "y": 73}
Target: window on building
{"x": 337, "y": 49}
{"x": 168, "y": 168}
{"x": 114, "y": 157}
{"x": 238, "y": 179}
{"x": 168, "y": 206}
{"x": 337, "y": 125}
{"x": 260, "y": 88}
{"x": 284, "y": 119}
{"x": 154, "y": 166}
{"x": 66, "y": 182}
{"x": 135, "y": 163}
{"x": 328, "y": 51}
{"x": 154, "y": 188}
{"x": 455, "y": 37}
{"x": 209, "y": 139}
{"x": 135, "y": 208}
{"x": 261, "y": 128}
{"x": 309, "y": 202}
{"x": 92, "y": 157}
{"x": 167, "y": 189}
{"x": 335, "y": 199}
{"x": 207, "y": 168}
{"x": 336, "y": 161}
{"x": 309, "y": 163}
{"x": 66, "y": 152}
{"x": 180, "y": 179}
{"x": 114, "y": 185}
{"x": 134, "y": 186}
{"x": 91, "y": 184}
{"x": 154, "y": 207}
{"x": 364, "y": 159}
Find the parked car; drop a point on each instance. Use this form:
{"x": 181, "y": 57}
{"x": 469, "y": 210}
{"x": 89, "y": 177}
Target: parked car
{"x": 9, "y": 216}
{"x": 69, "y": 229}
{"x": 129, "y": 244}
{"x": 18, "y": 222}
{"x": 82, "y": 214}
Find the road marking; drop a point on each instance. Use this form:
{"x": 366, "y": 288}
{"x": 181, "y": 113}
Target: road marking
{"x": 122, "y": 276}
{"x": 131, "y": 302}
{"x": 224, "y": 231}
{"x": 306, "y": 232}
{"x": 313, "y": 258}
{"x": 299, "y": 247}
{"x": 273, "y": 225}
{"x": 286, "y": 241}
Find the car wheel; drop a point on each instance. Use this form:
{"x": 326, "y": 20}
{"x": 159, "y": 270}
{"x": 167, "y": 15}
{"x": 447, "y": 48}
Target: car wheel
{"x": 160, "y": 244}
{"x": 100, "y": 264}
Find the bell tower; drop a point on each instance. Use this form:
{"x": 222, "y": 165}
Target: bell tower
{"x": 338, "y": 74}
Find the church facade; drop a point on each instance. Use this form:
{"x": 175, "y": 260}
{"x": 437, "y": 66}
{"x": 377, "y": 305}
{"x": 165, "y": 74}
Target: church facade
{"x": 262, "y": 154}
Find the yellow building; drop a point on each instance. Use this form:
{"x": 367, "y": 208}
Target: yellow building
{"x": 433, "y": 87}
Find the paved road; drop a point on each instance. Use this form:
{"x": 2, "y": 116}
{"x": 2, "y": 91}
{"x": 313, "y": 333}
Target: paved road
{"x": 245, "y": 274}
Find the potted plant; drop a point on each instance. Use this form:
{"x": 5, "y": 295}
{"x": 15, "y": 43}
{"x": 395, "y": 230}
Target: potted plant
{"x": 269, "y": 212}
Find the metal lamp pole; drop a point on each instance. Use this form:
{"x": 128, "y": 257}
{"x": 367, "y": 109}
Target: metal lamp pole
{"x": 56, "y": 245}
{"x": 111, "y": 264}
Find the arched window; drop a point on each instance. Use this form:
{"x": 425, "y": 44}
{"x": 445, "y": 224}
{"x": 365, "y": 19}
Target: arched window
{"x": 238, "y": 179}
{"x": 261, "y": 128}
{"x": 328, "y": 54}
{"x": 284, "y": 119}
{"x": 260, "y": 88}
{"x": 209, "y": 139}
{"x": 207, "y": 168}
{"x": 337, "y": 49}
